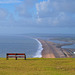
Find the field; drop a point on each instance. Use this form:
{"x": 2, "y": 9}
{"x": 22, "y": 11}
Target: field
{"x": 38, "y": 66}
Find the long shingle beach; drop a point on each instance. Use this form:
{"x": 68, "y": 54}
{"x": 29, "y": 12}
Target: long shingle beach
{"x": 50, "y": 50}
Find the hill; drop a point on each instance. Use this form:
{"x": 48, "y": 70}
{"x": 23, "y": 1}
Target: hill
{"x": 38, "y": 66}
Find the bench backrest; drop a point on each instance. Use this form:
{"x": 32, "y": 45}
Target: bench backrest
{"x": 15, "y": 53}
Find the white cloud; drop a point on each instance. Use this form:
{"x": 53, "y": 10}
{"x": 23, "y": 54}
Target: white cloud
{"x": 47, "y": 13}
{"x": 9, "y": 1}
{"x": 54, "y": 7}
{"x": 56, "y": 12}
{"x": 64, "y": 5}
{"x": 26, "y": 8}
{"x": 3, "y": 14}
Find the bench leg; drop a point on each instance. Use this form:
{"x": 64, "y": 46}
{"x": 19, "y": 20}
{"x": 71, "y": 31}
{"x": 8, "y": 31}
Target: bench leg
{"x": 24, "y": 57}
{"x": 7, "y": 57}
{"x": 16, "y": 58}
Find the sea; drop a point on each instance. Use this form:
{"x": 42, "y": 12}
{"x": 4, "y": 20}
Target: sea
{"x": 20, "y": 44}
{"x": 32, "y": 47}
{"x": 63, "y": 42}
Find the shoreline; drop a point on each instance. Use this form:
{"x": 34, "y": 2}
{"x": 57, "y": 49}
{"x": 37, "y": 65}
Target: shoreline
{"x": 50, "y": 50}
{"x": 40, "y": 48}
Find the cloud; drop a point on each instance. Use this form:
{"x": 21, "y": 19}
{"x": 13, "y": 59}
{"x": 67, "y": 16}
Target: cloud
{"x": 23, "y": 11}
{"x": 3, "y": 14}
{"x": 54, "y": 7}
{"x": 50, "y": 13}
{"x": 56, "y": 12}
{"x": 27, "y": 8}
{"x": 9, "y": 1}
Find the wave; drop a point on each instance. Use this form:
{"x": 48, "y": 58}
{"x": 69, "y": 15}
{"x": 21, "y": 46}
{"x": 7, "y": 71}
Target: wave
{"x": 38, "y": 53}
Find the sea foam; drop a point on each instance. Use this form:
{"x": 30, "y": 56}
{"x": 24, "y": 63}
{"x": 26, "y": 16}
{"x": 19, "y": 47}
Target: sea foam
{"x": 38, "y": 53}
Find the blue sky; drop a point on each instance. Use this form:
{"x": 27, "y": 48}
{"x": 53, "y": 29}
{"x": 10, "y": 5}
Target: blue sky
{"x": 37, "y": 16}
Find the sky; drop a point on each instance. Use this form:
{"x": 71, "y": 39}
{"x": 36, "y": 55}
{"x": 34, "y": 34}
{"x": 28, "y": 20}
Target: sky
{"x": 37, "y": 16}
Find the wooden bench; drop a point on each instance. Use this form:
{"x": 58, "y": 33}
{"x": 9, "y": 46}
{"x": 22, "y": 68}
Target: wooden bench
{"x": 15, "y": 55}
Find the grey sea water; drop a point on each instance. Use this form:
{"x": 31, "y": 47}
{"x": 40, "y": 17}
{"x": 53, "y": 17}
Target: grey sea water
{"x": 20, "y": 44}
{"x": 63, "y": 42}
{"x": 69, "y": 46}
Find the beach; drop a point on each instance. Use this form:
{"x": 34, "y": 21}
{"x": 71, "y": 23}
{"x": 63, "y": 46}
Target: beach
{"x": 50, "y": 50}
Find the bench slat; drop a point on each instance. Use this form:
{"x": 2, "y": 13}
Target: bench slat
{"x": 11, "y": 53}
{"x": 20, "y": 54}
{"x": 11, "y": 56}
{"x": 15, "y": 54}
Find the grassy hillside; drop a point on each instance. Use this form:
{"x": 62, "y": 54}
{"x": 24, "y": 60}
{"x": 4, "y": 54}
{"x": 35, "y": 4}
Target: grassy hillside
{"x": 38, "y": 66}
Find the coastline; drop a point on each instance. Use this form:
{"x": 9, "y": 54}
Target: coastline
{"x": 50, "y": 50}
{"x": 40, "y": 48}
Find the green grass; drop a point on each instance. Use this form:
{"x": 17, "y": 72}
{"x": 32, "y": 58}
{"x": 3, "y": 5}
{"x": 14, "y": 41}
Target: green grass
{"x": 38, "y": 66}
